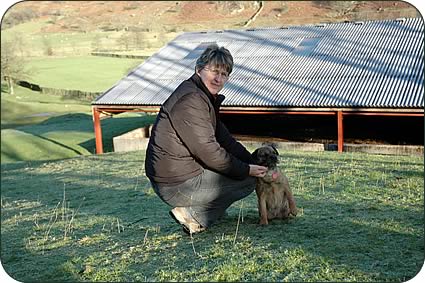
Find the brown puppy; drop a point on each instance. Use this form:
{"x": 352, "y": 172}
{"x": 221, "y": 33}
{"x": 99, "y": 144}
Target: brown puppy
{"x": 275, "y": 199}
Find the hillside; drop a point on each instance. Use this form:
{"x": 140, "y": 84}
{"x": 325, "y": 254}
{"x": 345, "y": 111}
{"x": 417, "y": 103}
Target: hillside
{"x": 78, "y": 28}
{"x": 163, "y": 16}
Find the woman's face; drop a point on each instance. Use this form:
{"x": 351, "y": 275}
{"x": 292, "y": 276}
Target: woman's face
{"x": 213, "y": 78}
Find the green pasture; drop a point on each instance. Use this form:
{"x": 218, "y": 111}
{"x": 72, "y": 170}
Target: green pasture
{"x": 86, "y": 73}
{"x": 64, "y": 136}
{"x": 27, "y": 107}
{"x": 36, "y": 126}
{"x": 33, "y": 123}
{"x": 95, "y": 218}
{"x": 69, "y": 66}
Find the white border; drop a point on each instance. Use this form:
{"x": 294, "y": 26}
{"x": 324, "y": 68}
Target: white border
{"x": 6, "y": 4}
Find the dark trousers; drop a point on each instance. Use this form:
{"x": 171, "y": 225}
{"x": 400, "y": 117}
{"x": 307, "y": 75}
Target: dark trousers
{"x": 207, "y": 196}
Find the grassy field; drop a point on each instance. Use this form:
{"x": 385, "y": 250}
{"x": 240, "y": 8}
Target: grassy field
{"x": 37, "y": 126}
{"x": 29, "y": 107}
{"x": 95, "y": 218}
{"x": 87, "y": 73}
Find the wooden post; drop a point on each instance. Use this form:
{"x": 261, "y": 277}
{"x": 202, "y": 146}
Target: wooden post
{"x": 97, "y": 131}
{"x": 340, "y": 132}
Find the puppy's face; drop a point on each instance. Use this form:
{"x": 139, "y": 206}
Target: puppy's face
{"x": 266, "y": 156}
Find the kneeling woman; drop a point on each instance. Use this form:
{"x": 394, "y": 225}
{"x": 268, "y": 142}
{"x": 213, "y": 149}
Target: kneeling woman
{"x": 192, "y": 161}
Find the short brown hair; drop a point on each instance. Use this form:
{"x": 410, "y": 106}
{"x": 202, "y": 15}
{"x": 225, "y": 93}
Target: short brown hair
{"x": 216, "y": 56}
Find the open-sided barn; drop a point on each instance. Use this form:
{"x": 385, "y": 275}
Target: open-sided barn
{"x": 351, "y": 68}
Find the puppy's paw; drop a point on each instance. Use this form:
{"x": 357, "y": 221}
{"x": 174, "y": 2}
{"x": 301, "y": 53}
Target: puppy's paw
{"x": 264, "y": 222}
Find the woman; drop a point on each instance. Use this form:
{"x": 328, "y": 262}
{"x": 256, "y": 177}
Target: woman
{"x": 192, "y": 161}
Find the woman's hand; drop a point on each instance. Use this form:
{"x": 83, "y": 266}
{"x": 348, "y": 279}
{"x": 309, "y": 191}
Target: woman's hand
{"x": 257, "y": 170}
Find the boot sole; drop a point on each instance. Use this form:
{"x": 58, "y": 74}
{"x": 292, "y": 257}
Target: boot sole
{"x": 185, "y": 229}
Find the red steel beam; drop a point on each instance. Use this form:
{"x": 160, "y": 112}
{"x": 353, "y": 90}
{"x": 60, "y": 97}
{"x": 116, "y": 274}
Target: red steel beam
{"x": 340, "y": 113}
{"x": 278, "y": 112}
{"x": 122, "y": 110}
{"x": 394, "y": 114}
{"x": 397, "y": 114}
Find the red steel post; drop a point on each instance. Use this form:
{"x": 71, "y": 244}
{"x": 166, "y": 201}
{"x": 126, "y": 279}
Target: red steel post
{"x": 97, "y": 131}
{"x": 340, "y": 132}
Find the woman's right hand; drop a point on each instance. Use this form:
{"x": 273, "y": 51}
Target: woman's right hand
{"x": 257, "y": 170}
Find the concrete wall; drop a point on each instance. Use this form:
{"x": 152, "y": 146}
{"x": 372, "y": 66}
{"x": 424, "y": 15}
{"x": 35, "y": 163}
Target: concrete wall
{"x": 135, "y": 140}
{"x": 385, "y": 149}
{"x": 138, "y": 140}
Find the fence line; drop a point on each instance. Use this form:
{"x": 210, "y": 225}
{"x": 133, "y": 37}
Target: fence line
{"x": 71, "y": 93}
{"x": 119, "y": 55}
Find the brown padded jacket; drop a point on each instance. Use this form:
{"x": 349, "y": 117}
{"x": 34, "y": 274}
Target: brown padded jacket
{"x": 188, "y": 136}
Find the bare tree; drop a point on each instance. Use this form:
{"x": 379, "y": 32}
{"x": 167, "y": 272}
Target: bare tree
{"x": 139, "y": 40}
{"x": 124, "y": 41}
{"x": 96, "y": 43}
{"x": 13, "y": 66}
{"x": 48, "y": 49}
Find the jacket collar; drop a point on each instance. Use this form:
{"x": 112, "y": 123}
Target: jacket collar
{"x": 215, "y": 100}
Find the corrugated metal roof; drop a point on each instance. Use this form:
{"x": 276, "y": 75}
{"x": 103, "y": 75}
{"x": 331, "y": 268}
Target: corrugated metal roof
{"x": 376, "y": 64}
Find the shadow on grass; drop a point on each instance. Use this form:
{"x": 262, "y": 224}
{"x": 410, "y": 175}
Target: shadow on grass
{"x": 156, "y": 241}
{"x": 122, "y": 231}
{"x": 116, "y": 126}
{"x": 4, "y": 88}
{"x": 73, "y": 131}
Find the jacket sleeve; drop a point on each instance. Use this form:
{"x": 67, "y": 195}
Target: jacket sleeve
{"x": 232, "y": 145}
{"x": 191, "y": 120}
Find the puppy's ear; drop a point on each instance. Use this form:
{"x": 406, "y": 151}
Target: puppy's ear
{"x": 273, "y": 145}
